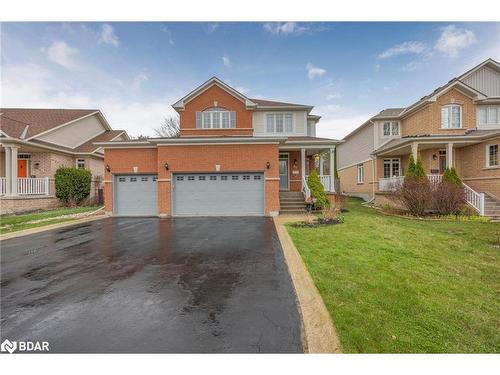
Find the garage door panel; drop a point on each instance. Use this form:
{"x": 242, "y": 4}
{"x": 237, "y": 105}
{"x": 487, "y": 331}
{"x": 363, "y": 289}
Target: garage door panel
{"x": 218, "y": 194}
{"x": 135, "y": 195}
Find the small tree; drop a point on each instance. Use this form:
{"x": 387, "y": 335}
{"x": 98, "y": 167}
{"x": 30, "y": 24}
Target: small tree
{"x": 448, "y": 197}
{"x": 411, "y": 166}
{"x": 72, "y": 184}
{"x": 317, "y": 190}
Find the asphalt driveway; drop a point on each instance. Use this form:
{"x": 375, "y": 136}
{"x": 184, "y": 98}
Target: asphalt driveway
{"x": 151, "y": 285}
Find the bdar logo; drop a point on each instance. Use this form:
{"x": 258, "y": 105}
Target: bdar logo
{"x": 8, "y": 346}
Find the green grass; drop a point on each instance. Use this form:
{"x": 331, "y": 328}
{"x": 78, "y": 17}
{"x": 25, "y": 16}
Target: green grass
{"x": 13, "y": 223}
{"x": 395, "y": 285}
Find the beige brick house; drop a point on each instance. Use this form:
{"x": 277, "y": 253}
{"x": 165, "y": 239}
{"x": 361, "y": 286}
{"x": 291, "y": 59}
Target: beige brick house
{"x": 457, "y": 125}
{"x": 35, "y": 142}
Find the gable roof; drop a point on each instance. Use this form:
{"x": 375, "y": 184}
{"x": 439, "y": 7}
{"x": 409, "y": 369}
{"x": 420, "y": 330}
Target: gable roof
{"x": 388, "y": 113}
{"x": 250, "y": 103}
{"x": 25, "y": 123}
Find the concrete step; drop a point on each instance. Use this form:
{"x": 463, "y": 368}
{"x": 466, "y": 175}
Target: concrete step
{"x": 292, "y": 212}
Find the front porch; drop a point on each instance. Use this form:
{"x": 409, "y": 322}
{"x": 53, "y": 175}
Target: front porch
{"x": 436, "y": 157}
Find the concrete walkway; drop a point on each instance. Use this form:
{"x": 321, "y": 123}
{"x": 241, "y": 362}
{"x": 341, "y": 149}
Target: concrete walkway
{"x": 319, "y": 332}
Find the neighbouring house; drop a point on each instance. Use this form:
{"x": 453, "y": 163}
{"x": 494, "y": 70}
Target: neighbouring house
{"x": 457, "y": 125}
{"x": 35, "y": 142}
{"x": 234, "y": 156}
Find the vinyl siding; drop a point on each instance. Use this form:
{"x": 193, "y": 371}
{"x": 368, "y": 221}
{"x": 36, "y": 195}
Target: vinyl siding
{"x": 357, "y": 148}
{"x": 485, "y": 80}
{"x": 75, "y": 134}
{"x": 299, "y": 122}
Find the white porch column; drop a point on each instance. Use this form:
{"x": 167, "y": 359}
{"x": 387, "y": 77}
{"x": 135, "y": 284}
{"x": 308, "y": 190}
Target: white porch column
{"x": 332, "y": 169}
{"x": 449, "y": 155}
{"x": 303, "y": 165}
{"x": 414, "y": 150}
{"x": 321, "y": 162}
{"x": 13, "y": 170}
{"x": 8, "y": 165}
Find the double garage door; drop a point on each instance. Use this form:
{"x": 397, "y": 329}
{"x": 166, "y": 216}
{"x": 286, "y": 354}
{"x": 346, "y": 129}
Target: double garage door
{"x": 193, "y": 194}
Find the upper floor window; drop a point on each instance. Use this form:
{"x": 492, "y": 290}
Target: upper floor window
{"x": 80, "y": 163}
{"x": 391, "y": 128}
{"x": 279, "y": 123}
{"x": 489, "y": 115}
{"x": 451, "y": 117}
{"x": 492, "y": 156}
{"x": 215, "y": 118}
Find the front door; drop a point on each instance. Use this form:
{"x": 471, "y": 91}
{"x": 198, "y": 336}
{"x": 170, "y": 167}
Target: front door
{"x": 22, "y": 168}
{"x": 284, "y": 180}
{"x": 442, "y": 161}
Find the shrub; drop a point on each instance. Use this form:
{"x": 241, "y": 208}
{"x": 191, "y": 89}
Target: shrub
{"x": 317, "y": 191}
{"x": 415, "y": 191}
{"x": 72, "y": 184}
{"x": 448, "y": 197}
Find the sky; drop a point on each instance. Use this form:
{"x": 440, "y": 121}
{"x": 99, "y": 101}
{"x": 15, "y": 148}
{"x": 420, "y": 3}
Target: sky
{"x": 133, "y": 72}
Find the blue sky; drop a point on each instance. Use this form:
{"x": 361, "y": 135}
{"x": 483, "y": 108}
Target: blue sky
{"x": 133, "y": 72}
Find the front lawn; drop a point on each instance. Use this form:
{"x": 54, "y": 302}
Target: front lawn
{"x": 395, "y": 285}
{"x": 13, "y": 223}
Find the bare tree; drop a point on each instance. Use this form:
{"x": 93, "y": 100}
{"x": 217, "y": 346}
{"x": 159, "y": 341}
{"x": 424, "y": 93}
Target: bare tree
{"x": 169, "y": 127}
{"x": 140, "y": 137}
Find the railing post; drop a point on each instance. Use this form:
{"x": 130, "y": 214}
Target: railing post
{"x": 47, "y": 186}
{"x": 481, "y": 204}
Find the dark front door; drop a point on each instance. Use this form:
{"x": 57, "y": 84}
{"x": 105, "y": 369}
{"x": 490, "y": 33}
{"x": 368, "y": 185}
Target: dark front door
{"x": 442, "y": 161}
{"x": 284, "y": 180}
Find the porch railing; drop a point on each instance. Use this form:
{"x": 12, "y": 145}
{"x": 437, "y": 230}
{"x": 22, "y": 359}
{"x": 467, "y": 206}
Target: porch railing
{"x": 435, "y": 178}
{"x": 27, "y": 186}
{"x": 393, "y": 183}
{"x": 474, "y": 199}
{"x": 327, "y": 181}
{"x": 305, "y": 189}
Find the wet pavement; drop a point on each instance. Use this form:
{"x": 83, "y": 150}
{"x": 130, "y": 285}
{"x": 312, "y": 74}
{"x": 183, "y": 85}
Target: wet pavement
{"x": 193, "y": 285}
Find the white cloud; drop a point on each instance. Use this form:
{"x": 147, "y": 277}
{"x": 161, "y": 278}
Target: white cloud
{"x": 60, "y": 53}
{"x": 405, "y": 48}
{"x": 336, "y": 121}
{"x": 411, "y": 66}
{"x": 166, "y": 30}
{"x": 138, "y": 80}
{"x": 335, "y": 95}
{"x": 284, "y": 28}
{"x": 211, "y": 27}
{"x": 108, "y": 36}
{"x": 453, "y": 39}
{"x": 226, "y": 61}
{"x": 314, "y": 71}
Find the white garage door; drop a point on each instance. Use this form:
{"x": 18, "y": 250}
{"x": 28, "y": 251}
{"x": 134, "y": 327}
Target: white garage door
{"x": 218, "y": 194}
{"x": 135, "y": 195}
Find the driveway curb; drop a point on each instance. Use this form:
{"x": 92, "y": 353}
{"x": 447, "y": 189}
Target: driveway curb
{"x": 319, "y": 331}
{"x": 26, "y": 232}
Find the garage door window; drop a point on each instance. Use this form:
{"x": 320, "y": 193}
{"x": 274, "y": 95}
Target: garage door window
{"x": 190, "y": 178}
{"x": 144, "y": 178}
{"x": 180, "y": 178}
{"x": 234, "y": 178}
{"x": 133, "y": 179}
{"x": 256, "y": 177}
{"x": 223, "y": 178}
{"x": 213, "y": 178}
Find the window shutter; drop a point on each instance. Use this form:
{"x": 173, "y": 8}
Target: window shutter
{"x": 232, "y": 119}
{"x": 198, "y": 120}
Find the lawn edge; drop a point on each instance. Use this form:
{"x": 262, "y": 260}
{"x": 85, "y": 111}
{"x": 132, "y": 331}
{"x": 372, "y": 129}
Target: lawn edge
{"x": 319, "y": 332}
{"x": 44, "y": 228}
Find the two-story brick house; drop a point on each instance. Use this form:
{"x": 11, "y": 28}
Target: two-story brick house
{"x": 234, "y": 156}
{"x": 457, "y": 125}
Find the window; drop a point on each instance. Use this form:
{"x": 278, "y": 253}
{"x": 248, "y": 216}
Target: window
{"x": 180, "y": 178}
{"x": 201, "y": 178}
{"x": 133, "y": 179}
{"x": 246, "y": 177}
{"x": 190, "y": 178}
{"x": 391, "y": 128}
{"x": 279, "y": 123}
{"x": 223, "y": 178}
{"x": 121, "y": 179}
{"x": 492, "y": 156}
{"x": 234, "y": 177}
{"x": 213, "y": 178}
{"x": 256, "y": 177}
{"x": 392, "y": 167}
{"x": 361, "y": 173}
{"x": 451, "y": 117}
{"x": 80, "y": 163}
{"x": 216, "y": 118}
{"x": 155, "y": 179}
{"x": 144, "y": 179}
{"x": 489, "y": 115}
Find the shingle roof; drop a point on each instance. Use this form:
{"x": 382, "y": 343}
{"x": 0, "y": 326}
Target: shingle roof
{"x": 16, "y": 121}
{"x": 272, "y": 103}
{"x": 307, "y": 138}
{"x": 89, "y": 146}
{"x": 389, "y": 112}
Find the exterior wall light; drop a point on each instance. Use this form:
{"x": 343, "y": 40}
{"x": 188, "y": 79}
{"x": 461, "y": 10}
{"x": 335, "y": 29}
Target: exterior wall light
{"x": 166, "y": 166}
{"x": 108, "y": 168}
{"x": 268, "y": 165}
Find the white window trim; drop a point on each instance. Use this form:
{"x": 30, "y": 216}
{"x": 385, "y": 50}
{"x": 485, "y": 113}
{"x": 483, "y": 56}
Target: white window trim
{"x": 361, "y": 174}
{"x": 273, "y": 114}
{"x": 211, "y": 111}
{"x": 488, "y": 123}
{"x": 449, "y": 117}
{"x": 390, "y": 129}
{"x": 488, "y": 165}
{"x": 84, "y": 163}
{"x": 391, "y": 162}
